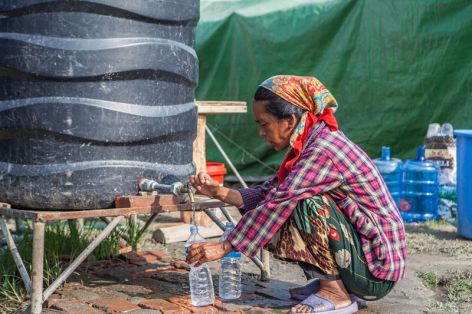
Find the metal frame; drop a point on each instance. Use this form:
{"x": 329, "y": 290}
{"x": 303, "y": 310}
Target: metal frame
{"x": 34, "y": 286}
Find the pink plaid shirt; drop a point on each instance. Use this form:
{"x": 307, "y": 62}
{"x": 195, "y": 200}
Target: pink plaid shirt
{"x": 330, "y": 163}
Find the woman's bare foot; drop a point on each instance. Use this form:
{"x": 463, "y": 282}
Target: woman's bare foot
{"x": 331, "y": 290}
{"x": 300, "y": 293}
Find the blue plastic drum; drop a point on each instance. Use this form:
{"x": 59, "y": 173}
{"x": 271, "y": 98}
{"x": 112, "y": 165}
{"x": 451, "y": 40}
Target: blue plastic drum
{"x": 464, "y": 182}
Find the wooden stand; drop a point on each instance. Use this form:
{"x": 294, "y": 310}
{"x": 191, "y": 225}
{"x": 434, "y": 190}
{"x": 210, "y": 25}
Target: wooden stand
{"x": 199, "y": 150}
{"x": 151, "y": 206}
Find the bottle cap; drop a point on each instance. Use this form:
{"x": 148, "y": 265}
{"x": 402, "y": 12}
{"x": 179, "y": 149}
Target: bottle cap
{"x": 385, "y": 153}
{"x": 420, "y": 154}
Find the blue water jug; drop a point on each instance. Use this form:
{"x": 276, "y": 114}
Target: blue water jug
{"x": 391, "y": 171}
{"x": 419, "y": 201}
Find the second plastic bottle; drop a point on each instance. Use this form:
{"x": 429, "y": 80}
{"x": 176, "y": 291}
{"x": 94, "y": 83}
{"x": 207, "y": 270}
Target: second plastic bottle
{"x": 230, "y": 271}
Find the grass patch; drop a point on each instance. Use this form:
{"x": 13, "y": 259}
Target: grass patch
{"x": 429, "y": 279}
{"x": 438, "y": 223}
{"x": 455, "y": 288}
{"x": 63, "y": 242}
{"x": 132, "y": 230}
{"x": 448, "y": 307}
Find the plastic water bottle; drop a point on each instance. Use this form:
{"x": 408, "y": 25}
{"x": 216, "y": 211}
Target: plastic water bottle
{"x": 201, "y": 283}
{"x": 391, "y": 171}
{"x": 230, "y": 271}
{"x": 419, "y": 200}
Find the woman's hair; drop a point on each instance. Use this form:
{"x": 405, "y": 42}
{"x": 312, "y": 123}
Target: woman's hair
{"x": 277, "y": 106}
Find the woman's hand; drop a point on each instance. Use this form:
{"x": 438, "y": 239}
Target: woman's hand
{"x": 205, "y": 184}
{"x": 204, "y": 252}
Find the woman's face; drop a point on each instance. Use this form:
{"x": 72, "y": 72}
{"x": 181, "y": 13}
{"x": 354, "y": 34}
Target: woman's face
{"x": 275, "y": 132}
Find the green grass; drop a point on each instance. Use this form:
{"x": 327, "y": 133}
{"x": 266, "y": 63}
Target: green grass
{"x": 455, "y": 288}
{"x": 429, "y": 279}
{"x": 63, "y": 242}
{"x": 132, "y": 230}
{"x": 437, "y": 223}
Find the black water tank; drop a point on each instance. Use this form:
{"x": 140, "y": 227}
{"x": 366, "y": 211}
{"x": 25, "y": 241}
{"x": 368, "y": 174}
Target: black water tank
{"x": 94, "y": 95}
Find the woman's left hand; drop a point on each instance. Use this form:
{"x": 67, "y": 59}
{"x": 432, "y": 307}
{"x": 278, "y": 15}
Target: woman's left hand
{"x": 204, "y": 252}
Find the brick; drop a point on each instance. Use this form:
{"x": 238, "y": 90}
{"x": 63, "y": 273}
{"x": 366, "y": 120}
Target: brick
{"x": 180, "y": 265}
{"x": 127, "y": 201}
{"x": 144, "y": 256}
{"x": 145, "y": 311}
{"x": 81, "y": 295}
{"x": 114, "y": 305}
{"x": 259, "y": 310}
{"x": 159, "y": 305}
{"x": 228, "y": 306}
{"x": 160, "y": 255}
{"x": 73, "y": 307}
{"x": 186, "y": 302}
{"x": 203, "y": 309}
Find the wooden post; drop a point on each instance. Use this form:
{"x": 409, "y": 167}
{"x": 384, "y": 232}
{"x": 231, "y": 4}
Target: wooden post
{"x": 265, "y": 271}
{"x": 37, "y": 268}
{"x": 199, "y": 150}
{"x": 199, "y": 153}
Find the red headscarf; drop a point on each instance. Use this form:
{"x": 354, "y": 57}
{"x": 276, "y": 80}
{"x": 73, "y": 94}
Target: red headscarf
{"x": 307, "y": 93}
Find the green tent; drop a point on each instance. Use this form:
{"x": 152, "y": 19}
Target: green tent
{"x": 393, "y": 66}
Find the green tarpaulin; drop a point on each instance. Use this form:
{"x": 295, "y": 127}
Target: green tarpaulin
{"x": 393, "y": 66}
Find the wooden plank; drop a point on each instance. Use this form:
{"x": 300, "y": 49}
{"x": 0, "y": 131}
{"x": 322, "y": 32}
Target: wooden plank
{"x": 221, "y": 107}
{"x": 18, "y": 213}
{"x": 44, "y": 216}
{"x": 181, "y": 232}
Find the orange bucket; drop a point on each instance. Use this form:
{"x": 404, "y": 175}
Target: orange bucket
{"x": 216, "y": 171}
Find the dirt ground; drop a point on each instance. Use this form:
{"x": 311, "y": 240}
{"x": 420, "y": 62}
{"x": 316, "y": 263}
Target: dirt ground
{"x": 438, "y": 259}
{"x": 438, "y": 280}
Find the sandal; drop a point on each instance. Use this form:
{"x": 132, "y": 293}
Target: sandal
{"x": 320, "y": 305}
{"x": 313, "y": 287}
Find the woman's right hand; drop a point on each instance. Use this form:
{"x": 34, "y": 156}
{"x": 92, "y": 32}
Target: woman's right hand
{"x": 205, "y": 184}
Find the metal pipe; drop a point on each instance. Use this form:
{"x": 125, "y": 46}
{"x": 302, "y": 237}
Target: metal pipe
{"x": 226, "y": 214}
{"x": 16, "y": 255}
{"x": 76, "y": 263}
{"x": 37, "y": 268}
{"x": 225, "y": 156}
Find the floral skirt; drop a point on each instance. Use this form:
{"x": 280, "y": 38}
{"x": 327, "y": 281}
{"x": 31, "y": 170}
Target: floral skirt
{"x": 318, "y": 234}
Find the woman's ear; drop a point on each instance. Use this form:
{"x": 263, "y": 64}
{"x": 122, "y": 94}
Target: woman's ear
{"x": 292, "y": 121}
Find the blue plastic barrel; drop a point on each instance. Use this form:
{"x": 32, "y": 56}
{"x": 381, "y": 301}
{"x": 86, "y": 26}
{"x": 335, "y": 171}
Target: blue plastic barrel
{"x": 419, "y": 201}
{"x": 464, "y": 182}
{"x": 390, "y": 169}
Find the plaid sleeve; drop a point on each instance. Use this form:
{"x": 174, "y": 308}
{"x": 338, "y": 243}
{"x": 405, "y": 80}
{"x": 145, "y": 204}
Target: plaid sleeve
{"x": 254, "y": 195}
{"x": 313, "y": 174}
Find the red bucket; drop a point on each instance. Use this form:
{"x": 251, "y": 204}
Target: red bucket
{"x": 216, "y": 171}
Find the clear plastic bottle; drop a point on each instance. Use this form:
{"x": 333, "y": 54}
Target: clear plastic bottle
{"x": 201, "y": 283}
{"x": 230, "y": 271}
{"x": 391, "y": 171}
{"x": 420, "y": 189}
